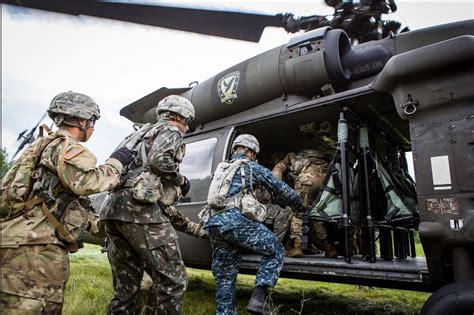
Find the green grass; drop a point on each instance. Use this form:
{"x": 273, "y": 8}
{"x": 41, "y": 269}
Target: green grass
{"x": 89, "y": 290}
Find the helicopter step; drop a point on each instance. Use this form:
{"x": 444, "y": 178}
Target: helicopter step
{"x": 408, "y": 274}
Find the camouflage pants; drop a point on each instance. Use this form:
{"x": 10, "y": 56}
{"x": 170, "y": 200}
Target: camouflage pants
{"x": 296, "y": 228}
{"x": 307, "y": 186}
{"x": 250, "y": 236}
{"x": 283, "y": 221}
{"x": 33, "y": 279}
{"x": 278, "y": 219}
{"x": 134, "y": 248}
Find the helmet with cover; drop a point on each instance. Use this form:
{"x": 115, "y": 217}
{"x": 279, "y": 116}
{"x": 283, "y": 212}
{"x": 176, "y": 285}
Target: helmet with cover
{"x": 73, "y": 104}
{"x": 177, "y": 104}
{"x": 247, "y": 141}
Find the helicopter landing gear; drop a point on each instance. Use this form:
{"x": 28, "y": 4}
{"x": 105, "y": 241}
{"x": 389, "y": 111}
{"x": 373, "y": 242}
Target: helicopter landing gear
{"x": 455, "y": 298}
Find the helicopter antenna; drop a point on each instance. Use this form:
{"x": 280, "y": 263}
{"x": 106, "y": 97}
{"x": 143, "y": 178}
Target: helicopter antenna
{"x": 27, "y": 136}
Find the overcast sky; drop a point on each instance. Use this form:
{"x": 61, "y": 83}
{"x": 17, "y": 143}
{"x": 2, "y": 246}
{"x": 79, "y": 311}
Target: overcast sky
{"x": 117, "y": 63}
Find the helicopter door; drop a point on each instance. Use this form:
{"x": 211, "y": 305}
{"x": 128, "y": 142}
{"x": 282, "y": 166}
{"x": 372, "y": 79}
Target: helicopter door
{"x": 203, "y": 153}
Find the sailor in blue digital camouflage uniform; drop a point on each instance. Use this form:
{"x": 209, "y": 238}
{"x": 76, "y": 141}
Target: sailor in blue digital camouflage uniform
{"x": 231, "y": 233}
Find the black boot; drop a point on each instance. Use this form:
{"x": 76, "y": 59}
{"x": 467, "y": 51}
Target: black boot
{"x": 257, "y": 300}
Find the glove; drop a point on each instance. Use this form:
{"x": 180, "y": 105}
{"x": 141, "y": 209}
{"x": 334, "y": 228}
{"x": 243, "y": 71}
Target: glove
{"x": 185, "y": 186}
{"x": 123, "y": 155}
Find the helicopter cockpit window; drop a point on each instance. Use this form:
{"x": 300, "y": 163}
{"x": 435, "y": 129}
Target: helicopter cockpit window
{"x": 197, "y": 166}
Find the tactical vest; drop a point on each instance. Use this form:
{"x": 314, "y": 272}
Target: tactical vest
{"x": 148, "y": 187}
{"x": 217, "y": 200}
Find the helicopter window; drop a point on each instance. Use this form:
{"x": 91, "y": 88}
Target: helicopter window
{"x": 196, "y": 166}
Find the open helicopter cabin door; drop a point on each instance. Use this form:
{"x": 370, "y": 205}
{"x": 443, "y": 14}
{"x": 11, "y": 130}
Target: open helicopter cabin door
{"x": 203, "y": 152}
{"x": 316, "y": 128}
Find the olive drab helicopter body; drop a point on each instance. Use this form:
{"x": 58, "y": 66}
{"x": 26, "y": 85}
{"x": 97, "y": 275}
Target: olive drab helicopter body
{"x": 412, "y": 91}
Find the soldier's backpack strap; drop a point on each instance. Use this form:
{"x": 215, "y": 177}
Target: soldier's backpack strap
{"x": 242, "y": 175}
{"x": 61, "y": 167}
{"x": 44, "y": 127}
{"x": 58, "y": 226}
{"x": 37, "y": 200}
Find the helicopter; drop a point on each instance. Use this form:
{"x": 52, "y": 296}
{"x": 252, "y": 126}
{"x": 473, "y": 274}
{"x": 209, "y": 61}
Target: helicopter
{"x": 412, "y": 92}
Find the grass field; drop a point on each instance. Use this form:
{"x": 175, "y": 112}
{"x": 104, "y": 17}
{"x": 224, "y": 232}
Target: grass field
{"x": 90, "y": 288}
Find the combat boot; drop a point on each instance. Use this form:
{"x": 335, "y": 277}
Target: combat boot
{"x": 330, "y": 251}
{"x": 257, "y": 300}
{"x": 297, "y": 251}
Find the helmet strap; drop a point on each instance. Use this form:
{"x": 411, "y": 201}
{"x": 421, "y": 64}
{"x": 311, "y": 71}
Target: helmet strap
{"x": 74, "y": 124}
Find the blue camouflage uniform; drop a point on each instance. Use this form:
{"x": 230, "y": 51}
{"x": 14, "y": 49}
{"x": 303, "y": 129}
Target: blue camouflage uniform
{"x": 232, "y": 233}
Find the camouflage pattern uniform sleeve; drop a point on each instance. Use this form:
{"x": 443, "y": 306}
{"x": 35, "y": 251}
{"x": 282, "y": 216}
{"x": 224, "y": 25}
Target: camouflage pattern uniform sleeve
{"x": 284, "y": 192}
{"x": 166, "y": 153}
{"x": 282, "y": 167}
{"x": 184, "y": 224}
{"x": 81, "y": 174}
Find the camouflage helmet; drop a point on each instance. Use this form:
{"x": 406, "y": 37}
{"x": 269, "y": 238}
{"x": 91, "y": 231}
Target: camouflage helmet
{"x": 75, "y": 105}
{"x": 176, "y": 104}
{"x": 247, "y": 141}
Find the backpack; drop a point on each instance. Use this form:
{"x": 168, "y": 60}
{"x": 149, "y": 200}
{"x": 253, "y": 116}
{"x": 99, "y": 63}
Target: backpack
{"x": 220, "y": 184}
{"x": 16, "y": 188}
{"x": 217, "y": 199}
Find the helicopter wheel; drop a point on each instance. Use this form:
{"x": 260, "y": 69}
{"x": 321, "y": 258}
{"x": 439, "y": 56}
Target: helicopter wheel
{"x": 455, "y": 298}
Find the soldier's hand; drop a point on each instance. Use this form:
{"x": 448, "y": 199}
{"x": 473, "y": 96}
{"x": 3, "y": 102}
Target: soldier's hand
{"x": 201, "y": 233}
{"x": 123, "y": 155}
{"x": 185, "y": 186}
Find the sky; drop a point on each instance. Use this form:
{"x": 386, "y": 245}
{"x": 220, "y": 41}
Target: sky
{"x": 117, "y": 63}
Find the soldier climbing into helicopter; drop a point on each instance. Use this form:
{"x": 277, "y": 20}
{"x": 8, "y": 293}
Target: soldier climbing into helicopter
{"x": 235, "y": 225}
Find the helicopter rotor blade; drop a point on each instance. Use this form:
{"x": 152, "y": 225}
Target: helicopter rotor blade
{"x": 234, "y": 25}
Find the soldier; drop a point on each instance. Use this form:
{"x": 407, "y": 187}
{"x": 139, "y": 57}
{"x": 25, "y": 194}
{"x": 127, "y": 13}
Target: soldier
{"x": 231, "y": 232}
{"x": 138, "y": 226}
{"x": 306, "y": 170}
{"x": 35, "y": 242}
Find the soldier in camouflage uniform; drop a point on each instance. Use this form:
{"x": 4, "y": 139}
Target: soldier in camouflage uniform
{"x": 34, "y": 260}
{"x": 140, "y": 235}
{"x": 232, "y": 233}
{"x": 306, "y": 170}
